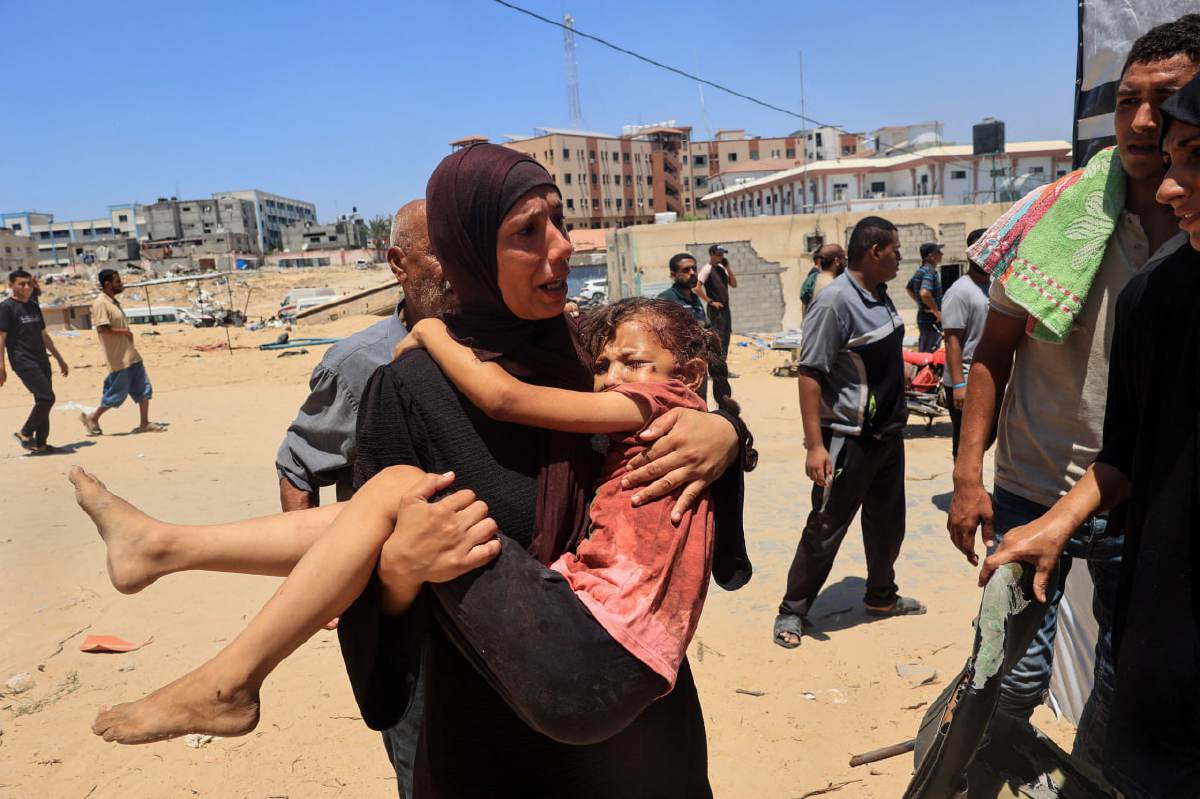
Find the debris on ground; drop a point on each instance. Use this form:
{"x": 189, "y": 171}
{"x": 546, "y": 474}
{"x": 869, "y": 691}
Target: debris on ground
{"x": 19, "y": 683}
{"x": 917, "y": 674}
{"x": 196, "y": 740}
{"x": 110, "y": 643}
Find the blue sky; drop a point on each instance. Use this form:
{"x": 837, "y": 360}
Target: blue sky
{"x": 353, "y": 104}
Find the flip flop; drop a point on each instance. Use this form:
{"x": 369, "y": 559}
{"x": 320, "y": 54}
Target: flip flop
{"x": 153, "y": 427}
{"x": 48, "y": 449}
{"x": 26, "y": 442}
{"x": 787, "y": 623}
{"x": 903, "y": 606}
{"x": 93, "y": 429}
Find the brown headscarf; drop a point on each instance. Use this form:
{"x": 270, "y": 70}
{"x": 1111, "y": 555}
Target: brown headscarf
{"x": 467, "y": 198}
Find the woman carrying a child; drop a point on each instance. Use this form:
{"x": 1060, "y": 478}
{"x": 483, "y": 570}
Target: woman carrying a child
{"x": 558, "y": 668}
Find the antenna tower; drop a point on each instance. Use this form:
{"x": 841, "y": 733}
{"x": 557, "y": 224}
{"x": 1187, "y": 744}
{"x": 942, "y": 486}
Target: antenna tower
{"x": 573, "y": 108}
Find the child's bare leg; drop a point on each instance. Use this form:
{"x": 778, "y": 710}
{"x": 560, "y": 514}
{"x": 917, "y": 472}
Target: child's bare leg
{"x": 221, "y": 697}
{"x": 141, "y": 549}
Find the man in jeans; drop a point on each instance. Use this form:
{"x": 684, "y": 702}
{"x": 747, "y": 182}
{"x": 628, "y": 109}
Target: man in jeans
{"x": 852, "y": 404}
{"x": 1050, "y": 421}
{"x": 24, "y": 339}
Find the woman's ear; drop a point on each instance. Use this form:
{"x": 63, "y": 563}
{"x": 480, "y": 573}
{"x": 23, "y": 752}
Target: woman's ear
{"x": 693, "y": 372}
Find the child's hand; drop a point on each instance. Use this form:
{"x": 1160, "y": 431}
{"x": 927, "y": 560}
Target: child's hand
{"x": 407, "y": 344}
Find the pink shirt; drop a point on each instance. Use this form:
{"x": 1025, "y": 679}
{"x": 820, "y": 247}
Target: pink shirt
{"x": 641, "y": 576}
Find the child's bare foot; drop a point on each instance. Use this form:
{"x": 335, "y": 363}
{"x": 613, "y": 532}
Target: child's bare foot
{"x": 199, "y": 702}
{"x": 135, "y": 556}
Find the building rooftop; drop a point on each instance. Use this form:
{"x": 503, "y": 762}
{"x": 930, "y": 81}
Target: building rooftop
{"x": 589, "y": 240}
{"x": 761, "y": 165}
{"x": 465, "y": 140}
{"x": 942, "y": 152}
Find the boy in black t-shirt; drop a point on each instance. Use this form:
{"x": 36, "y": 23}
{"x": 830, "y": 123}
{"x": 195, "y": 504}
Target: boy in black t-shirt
{"x": 24, "y": 339}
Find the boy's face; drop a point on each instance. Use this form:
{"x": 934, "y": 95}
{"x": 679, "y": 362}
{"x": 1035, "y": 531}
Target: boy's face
{"x": 634, "y": 354}
{"x": 22, "y": 288}
{"x": 1180, "y": 187}
{"x": 1137, "y": 121}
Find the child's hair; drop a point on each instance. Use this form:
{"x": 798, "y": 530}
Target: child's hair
{"x": 677, "y": 330}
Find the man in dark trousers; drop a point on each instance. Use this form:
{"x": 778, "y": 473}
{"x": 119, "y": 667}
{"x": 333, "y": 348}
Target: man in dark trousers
{"x": 925, "y": 288}
{"x": 852, "y": 404}
{"x": 713, "y": 282}
{"x": 24, "y": 339}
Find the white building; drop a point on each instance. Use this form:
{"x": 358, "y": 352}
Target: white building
{"x": 929, "y": 177}
{"x": 274, "y": 212}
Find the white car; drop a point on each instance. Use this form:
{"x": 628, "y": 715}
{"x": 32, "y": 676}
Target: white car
{"x": 596, "y": 287}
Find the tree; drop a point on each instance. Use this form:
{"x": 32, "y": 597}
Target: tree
{"x": 380, "y": 230}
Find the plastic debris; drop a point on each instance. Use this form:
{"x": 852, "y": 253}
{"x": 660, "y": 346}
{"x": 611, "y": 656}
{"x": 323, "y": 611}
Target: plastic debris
{"x": 19, "y": 683}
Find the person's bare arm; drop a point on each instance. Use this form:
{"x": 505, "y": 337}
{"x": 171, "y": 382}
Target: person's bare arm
{"x": 732, "y": 277}
{"x": 292, "y": 498}
{"x": 930, "y": 304}
{"x": 971, "y": 507}
{"x": 704, "y": 298}
{"x": 817, "y": 464}
{"x": 505, "y": 398}
{"x": 53, "y": 350}
{"x": 954, "y": 365}
{"x": 1042, "y": 541}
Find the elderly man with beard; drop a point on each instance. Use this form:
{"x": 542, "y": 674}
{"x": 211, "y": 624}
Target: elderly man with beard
{"x": 318, "y": 449}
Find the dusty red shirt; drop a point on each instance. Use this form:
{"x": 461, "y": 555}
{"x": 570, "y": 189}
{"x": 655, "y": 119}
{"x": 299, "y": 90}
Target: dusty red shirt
{"x": 641, "y": 576}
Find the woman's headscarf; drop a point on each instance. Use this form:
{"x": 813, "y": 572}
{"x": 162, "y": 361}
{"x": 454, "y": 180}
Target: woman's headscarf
{"x": 467, "y": 198}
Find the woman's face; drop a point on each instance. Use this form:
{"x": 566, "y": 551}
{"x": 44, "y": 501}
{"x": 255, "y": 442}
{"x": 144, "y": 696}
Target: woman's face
{"x": 532, "y": 252}
{"x": 1180, "y": 188}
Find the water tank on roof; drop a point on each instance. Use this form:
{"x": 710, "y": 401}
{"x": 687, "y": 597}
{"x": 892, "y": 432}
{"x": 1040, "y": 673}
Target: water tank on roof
{"x": 988, "y": 137}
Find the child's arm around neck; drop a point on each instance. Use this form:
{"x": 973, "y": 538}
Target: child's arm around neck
{"x": 505, "y": 398}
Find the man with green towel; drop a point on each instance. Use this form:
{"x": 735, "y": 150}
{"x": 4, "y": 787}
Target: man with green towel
{"x": 1053, "y": 381}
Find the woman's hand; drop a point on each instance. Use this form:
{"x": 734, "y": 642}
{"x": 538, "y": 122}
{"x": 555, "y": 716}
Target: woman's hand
{"x": 434, "y": 542}
{"x": 690, "y": 449}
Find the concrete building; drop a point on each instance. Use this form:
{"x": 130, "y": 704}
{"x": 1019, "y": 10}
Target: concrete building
{"x": 349, "y": 232}
{"x": 272, "y": 213}
{"x": 923, "y": 178}
{"x": 703, "y": 160}
{"x": 606, "y": 181}
{"x": 772, "y": 254}
{"x": 112, "y": 253}
{"x": 53, "y": 238}
{"x": 223, "y": 225}
{"x": 16, "y": 252}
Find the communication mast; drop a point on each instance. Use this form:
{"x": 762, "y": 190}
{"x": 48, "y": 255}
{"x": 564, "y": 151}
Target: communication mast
{"x": 573, "y": 108}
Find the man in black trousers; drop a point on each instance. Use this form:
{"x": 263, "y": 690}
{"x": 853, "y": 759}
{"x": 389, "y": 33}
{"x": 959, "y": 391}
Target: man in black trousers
{"x": 24, "y": 339}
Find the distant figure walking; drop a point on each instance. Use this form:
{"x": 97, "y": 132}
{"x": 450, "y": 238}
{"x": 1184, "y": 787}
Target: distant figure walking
{"x": 126, "y": 374}
{"x": 23, "y": 337}
{"x": 925, "y": 287}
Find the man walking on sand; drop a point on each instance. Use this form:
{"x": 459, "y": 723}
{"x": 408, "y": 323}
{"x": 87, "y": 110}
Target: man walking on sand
{"x": 853, "y": 408}
{"x": 1044, "y": 357}
{"x": 24, "y": 339}
{"x": 126, "y": 373}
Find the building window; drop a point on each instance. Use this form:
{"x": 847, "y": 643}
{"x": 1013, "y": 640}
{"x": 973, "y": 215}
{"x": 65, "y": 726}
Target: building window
{"x": 618, "y": 203}
{"x": 651, "y": 202}
{"x": 791, "y": 152}
{"x": 649, "y": 180}
{"x": 592, "y": 156}
{"x": 123, "y": 218}
{"x": 701, "y": 182}
{"x": 878, "y": 186}
{"x": 570, "y": 204}
{"x": 625, "y": 157}
{"x": 605, "y": 178}
{"x": 567, "y": 178}
{"x": 595, "y": 203}
{"x": 958, "y": 174}
{"x": 16, "y": 227}
{"x": 997, "y": 173}
{"x": 1038, "y": 170}
{"x": 607, "y": 203}
{"x": 699, "y": 160}
{"x": 629, "y": 180}
{"x": 731, "y": 157}
{"x": 686, "y": 182}
{"x": 582, "y": 178}
{"x": 1060, "y": 173}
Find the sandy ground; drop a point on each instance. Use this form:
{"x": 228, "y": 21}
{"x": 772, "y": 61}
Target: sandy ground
{"x": 837, "y": 695}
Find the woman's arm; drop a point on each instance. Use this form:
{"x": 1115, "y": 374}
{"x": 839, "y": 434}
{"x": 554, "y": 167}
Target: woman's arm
{"x": 505, "y": 398}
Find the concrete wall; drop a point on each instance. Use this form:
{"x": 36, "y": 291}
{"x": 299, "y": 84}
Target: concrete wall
{"x": 770, "y": 249}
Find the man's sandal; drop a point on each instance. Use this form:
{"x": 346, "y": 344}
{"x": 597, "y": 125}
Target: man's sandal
{"x": 903, "y": 606}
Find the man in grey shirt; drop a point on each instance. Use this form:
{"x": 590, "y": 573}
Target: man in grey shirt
{"x": 964, "y": 310}
{"x": 318, "y": 449}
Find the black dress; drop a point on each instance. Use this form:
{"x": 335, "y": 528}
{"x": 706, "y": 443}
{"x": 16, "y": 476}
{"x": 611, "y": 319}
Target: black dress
{"x": 472, "y": 742}
{"x": 1151, "y": 434}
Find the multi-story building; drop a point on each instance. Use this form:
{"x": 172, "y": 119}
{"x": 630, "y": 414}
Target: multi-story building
{"x": 54, "y": 239}
{"x": 349, "y": 232}
{"x": 16, "y": 252}
{"x": 606, "y": 181}
{"x": 919, "y": 178}
{"x": 272, "y": 213}
{"x": 215, "y": 225}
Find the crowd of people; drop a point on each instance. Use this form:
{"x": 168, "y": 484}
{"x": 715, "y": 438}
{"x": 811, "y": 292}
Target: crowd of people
{"x": 516, "y": 591}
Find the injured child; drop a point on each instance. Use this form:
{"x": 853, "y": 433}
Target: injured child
{"x": 639, "y": 574}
